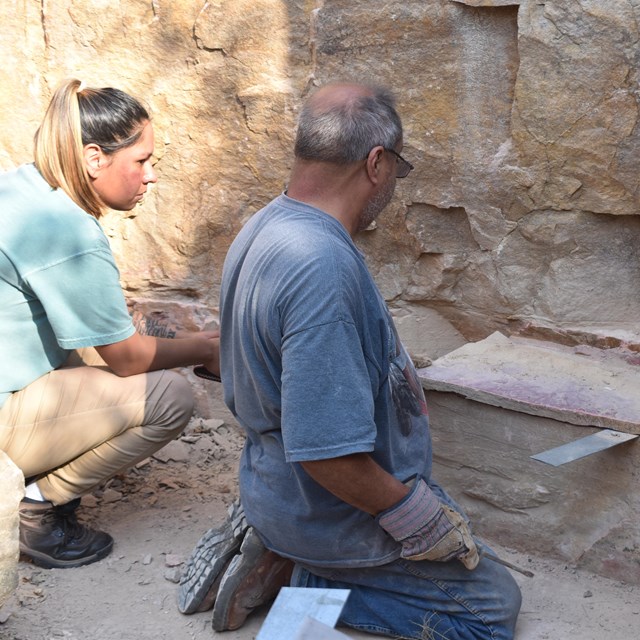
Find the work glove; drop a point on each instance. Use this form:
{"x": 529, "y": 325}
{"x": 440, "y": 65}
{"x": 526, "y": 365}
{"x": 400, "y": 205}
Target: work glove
{"x": 428, "y": 529}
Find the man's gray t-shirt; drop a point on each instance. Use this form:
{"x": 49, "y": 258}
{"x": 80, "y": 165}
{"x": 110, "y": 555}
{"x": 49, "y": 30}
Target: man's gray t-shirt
{"x": 313, "y": 369}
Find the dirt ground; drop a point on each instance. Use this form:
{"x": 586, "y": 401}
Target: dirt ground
{"x": 159, "y": 510}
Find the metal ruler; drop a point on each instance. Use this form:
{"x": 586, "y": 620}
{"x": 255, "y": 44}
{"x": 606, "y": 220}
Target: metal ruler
{"x": 577, "y": 449}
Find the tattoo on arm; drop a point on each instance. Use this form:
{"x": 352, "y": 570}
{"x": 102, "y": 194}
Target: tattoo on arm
{"x": 151, "y": 327}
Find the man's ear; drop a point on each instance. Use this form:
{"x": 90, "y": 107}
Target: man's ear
{"x": 374, "y": 163}
{"x": 93, "y": 159}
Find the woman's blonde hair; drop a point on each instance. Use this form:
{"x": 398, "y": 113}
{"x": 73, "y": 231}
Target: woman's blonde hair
{"x": 76, "y": 117}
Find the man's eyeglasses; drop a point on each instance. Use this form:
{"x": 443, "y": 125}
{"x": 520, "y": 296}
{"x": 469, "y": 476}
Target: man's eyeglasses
{"x": 403, "y": 167}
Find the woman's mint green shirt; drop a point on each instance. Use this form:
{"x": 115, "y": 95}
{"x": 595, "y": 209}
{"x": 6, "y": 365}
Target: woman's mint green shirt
{"x": 59, "y": 284}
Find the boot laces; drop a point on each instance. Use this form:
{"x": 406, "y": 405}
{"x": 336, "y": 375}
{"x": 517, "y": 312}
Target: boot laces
{"x": 66, "y": 521}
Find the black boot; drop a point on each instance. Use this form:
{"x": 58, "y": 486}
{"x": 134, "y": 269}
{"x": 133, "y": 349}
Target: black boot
{"x": 54, "y": 539}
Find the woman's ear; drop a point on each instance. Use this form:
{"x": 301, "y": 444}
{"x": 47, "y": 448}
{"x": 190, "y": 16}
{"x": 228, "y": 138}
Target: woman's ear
{"x": 93, "y": 159}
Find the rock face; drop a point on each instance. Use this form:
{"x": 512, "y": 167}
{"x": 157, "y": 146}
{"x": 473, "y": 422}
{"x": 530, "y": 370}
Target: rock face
{"x": 12, "y": 483}
{"x": 520, "y": 118}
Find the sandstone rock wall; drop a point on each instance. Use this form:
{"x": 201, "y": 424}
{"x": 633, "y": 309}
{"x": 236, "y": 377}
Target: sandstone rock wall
{"x": 520, "y": 118}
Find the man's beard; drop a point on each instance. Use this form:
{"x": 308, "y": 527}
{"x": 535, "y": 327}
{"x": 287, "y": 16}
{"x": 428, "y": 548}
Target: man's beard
{"x": 376, "y": 205}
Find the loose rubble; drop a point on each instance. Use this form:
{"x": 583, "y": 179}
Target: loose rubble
{"x": 157, "y": 512}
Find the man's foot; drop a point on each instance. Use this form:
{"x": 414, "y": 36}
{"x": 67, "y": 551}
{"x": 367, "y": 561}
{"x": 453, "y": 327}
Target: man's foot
{"x": 54, "y": 539}
{"x": 211, "y": 556}
{"x": 253, "y": 578}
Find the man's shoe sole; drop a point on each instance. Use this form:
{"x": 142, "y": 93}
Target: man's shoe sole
{"x": 208, "y": 562}
{"x": 253, "y": 578}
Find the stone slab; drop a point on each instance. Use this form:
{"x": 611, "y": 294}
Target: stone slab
{"x": 586, "y": 512}
{"x": 581, "y": 385}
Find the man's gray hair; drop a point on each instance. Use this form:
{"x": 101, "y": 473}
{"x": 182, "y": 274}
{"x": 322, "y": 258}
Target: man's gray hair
{"x": 345, "y": 132}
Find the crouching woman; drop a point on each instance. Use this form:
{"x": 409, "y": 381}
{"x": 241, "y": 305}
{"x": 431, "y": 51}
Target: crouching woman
{"x": 83, "y": 394}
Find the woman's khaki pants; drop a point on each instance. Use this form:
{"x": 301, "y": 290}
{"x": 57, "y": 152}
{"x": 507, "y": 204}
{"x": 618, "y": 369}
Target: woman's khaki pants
{"x": 79, "y": 425}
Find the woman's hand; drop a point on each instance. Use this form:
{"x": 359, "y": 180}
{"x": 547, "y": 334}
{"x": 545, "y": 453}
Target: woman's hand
{"x": 212, "y": 364}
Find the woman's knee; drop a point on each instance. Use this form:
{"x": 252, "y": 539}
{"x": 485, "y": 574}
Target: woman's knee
{"x": 170, "y": 403}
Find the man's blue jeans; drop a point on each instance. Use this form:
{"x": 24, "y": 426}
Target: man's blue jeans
{"x": 424, "y": 600}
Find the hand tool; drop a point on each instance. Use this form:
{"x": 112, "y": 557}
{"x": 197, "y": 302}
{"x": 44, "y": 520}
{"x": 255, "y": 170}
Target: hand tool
{"x": 202, "y": 372}
{"x": 577, "y": 449}
{"x": 491, "y": 556}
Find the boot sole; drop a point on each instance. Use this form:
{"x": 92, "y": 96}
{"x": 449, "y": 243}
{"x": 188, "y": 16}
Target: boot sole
{"x": 208, "y": 562}
{"x": 253, "y": 578}
{"x": 204, "y": 569}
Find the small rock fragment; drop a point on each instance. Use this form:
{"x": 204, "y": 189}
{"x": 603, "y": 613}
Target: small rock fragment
{"x": 165, "y": 482}
{"x": 173, "y": 560}
{"x": 111, "y": 495}
{"x": 176, "y": 450}
{"x": 212, "y": 424}
{"x": 5, "y": 613}
{"x": 173, "y": 575}
{"x": 89, "y": 501}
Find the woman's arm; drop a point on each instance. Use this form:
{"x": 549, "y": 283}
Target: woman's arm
{"x": 142, "y": 353}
